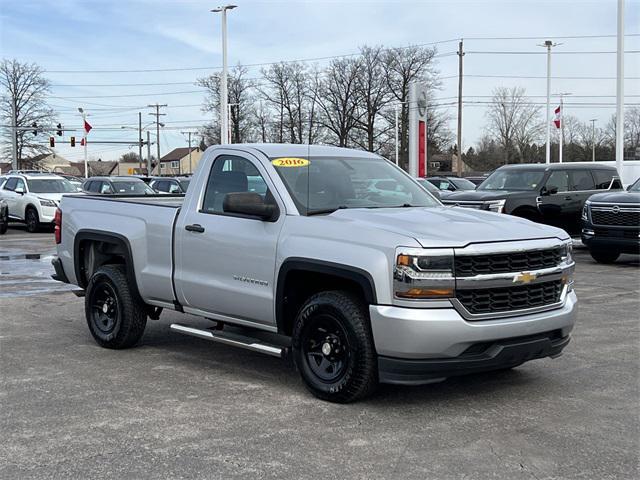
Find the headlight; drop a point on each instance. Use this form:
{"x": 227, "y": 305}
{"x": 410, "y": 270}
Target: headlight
{"x": 495, "y": 206}
{"x": 566, "y": 255}
{"x": 423, "y": 274}
{"x": 585, "y": 212}
{"x": 45, "y": 202}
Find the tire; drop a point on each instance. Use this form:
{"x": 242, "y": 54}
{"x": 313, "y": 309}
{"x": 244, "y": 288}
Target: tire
{"x": 333, "y": 347}
{"x": 32, "y": 220}
{"x": 528, "y": 214}
{"x": 604, "y": 257}
{"x": 4, "y": 224}
{"x": 115, "y": 315}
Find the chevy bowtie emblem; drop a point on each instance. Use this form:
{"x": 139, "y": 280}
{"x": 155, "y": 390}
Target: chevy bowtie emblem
{"x": 525, "y": 277}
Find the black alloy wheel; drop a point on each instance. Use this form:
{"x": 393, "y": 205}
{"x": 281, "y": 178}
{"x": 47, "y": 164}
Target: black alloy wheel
{"x": 326, "y": 348}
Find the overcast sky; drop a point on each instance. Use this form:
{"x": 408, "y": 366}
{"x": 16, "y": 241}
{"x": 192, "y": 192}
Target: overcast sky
{"x": 67, "y": 37}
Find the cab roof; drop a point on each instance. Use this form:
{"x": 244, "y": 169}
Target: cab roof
{"x": 558, "y": 166}
{"x": 275, "y": 150}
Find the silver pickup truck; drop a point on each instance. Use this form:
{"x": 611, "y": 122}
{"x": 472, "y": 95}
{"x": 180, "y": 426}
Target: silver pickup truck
{"x": 333, "y": 256}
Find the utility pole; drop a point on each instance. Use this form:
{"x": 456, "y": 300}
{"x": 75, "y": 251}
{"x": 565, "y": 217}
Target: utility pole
{"x": 593, "y": 139}
{"x": 620, "y": 92}
{"x": 224, "y": 120}
{"x": 460, "y": 55}
{"x": 157, "y": 114}
{"x": 189, "y": 134}
{"x": 140, "y": 142}
{"x": 14, "y": 134}
{"x": 149, "y": 153}
{"x": 548, "y": 44}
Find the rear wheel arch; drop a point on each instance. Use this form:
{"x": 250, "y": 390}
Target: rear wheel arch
{"x": 93, "y": 249}
{"x": 300, "y": 278}
{"x": 528, "y": 212}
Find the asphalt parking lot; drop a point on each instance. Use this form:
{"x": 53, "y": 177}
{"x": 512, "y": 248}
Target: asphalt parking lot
{"x": 180, "y": 407}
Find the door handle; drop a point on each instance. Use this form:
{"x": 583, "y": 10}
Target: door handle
{"x": 194, "y": 228}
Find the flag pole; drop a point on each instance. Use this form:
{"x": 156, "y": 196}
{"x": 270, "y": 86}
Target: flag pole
{"x": 561, "y": 130}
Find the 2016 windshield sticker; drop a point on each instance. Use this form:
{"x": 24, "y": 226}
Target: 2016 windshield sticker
{"x": 290, "y": 162}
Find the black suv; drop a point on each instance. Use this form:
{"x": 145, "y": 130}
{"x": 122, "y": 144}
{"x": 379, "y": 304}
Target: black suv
{"x": 175, "y": 185}
{"x": 611, "y": 224}
{"x": 546, "y": 193}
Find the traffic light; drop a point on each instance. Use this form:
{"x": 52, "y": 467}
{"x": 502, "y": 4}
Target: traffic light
{"x": 35, "y": 128}
{"x": 59, "y": 131}
{"x": 52, "y": 142}
{"x": 72, "y": 140}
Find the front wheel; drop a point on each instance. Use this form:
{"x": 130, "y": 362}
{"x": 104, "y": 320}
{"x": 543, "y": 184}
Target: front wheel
{"x": 32, "y": 220}
{"x": 333, "y": 347}
{"x": 4, "y": 224}
{"x": 115, "y": 315}
{"x": 604, "y": 257}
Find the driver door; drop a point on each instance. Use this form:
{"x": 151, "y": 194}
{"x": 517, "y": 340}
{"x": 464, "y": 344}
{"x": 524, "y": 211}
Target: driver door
{"x": 555, "y": 199}
{"x": 225, "y": 263}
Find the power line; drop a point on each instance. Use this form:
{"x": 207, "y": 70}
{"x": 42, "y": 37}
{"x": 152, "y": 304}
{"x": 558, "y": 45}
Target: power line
{"x": 556, "y": 52}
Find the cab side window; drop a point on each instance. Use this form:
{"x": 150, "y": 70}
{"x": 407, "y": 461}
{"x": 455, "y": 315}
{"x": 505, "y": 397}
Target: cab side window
{"x": 20, "y": 185}
{"x": 558, "y": 181}
{"x": 231, "y": 175}
{"x": 581, "y": 180}
{"x": 603, "y": 179}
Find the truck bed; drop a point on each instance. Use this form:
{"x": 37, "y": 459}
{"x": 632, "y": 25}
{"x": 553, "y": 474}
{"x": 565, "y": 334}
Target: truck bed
{"x": 170, "y": 201}
{"x": 145, "y": 223}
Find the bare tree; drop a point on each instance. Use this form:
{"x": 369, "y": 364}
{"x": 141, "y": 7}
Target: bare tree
{"x": 286, "y": 90}
{"x": 373, "y": 97}
{"x": 513, "y": 122}
{"x": 240, "y": 101}
{"x": 338, "y": 99}
{"x": 404, "y": 66}
{"x": 25, "y": 87}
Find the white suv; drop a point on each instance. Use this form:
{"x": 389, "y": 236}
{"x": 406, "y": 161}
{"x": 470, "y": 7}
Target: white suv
{"x": 33, "y": 198}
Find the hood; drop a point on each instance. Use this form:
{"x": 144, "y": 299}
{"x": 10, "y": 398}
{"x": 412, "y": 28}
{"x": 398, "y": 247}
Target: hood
{"x": 449, "y": 226}
{"x": 616, "y": 197}
{"x": 57, "y": 197}
{"x": 481, "y": 195}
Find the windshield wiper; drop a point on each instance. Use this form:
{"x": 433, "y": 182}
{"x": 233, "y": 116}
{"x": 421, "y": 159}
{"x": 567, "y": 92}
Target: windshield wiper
{"x": 321, "y": 211}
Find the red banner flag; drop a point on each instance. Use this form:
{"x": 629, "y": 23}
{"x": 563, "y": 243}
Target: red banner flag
{"x": 87, "y": 127}
{"x": 82, "y": 141}
{"x": 557, "y": 119}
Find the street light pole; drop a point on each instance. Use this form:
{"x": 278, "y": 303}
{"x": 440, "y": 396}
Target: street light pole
{"x": 620, "y": 91}
{"x": 224, "y": 120}
{"x": 140, "y": 142}
{"x": 84, "y": 138}
{"x": 593, "y": 139}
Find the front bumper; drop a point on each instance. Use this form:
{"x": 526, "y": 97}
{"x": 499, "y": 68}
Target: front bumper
{"x": 624, "y": 240}
{"x": 420, "y": 345}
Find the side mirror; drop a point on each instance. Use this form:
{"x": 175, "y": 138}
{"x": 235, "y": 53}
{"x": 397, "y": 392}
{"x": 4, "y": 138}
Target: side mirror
{"x": 19, "y": 190}
{"x": 249, "y": 203}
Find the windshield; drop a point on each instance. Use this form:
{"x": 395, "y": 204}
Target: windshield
{"x": 52, "y": 185}
{"x": 463, "y": 184}
{"x": 184, "y": 184}
{"x": 132, "y": 188}
{"x": 513, "y": 179}
{"x": 635, "y": 187}
{"x": 323, "y": 185}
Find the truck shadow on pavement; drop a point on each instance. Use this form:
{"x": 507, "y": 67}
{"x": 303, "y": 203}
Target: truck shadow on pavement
{"x": 199, "y": 358}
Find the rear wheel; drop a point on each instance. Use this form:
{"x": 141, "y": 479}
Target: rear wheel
{"x": 604, "y": 257}
{"x": 4, "y": 223}
{"x": 115, "y": 315}
{"x": 333, "y": 347}
{"x": 32, "y": 220}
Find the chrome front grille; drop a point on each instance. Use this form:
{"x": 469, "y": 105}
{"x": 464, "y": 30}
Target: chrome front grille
{"x": 468, "y": 266}
{"x": 504, "y": 279}
{"x": 615, "y": 215}
{"x": 495, "y": 300}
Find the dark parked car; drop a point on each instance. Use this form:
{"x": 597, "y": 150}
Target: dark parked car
{"x": 4, "y": 216}
{"x": 477, "y": 180}
{"x": 175, "y": 185}
{"x": 611, "y": 224}
{"x": 431, "y": 188}
{"x": 546, "y": 193}
{"x": 451, "y": 184}
{"x": 117, "y": 186}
